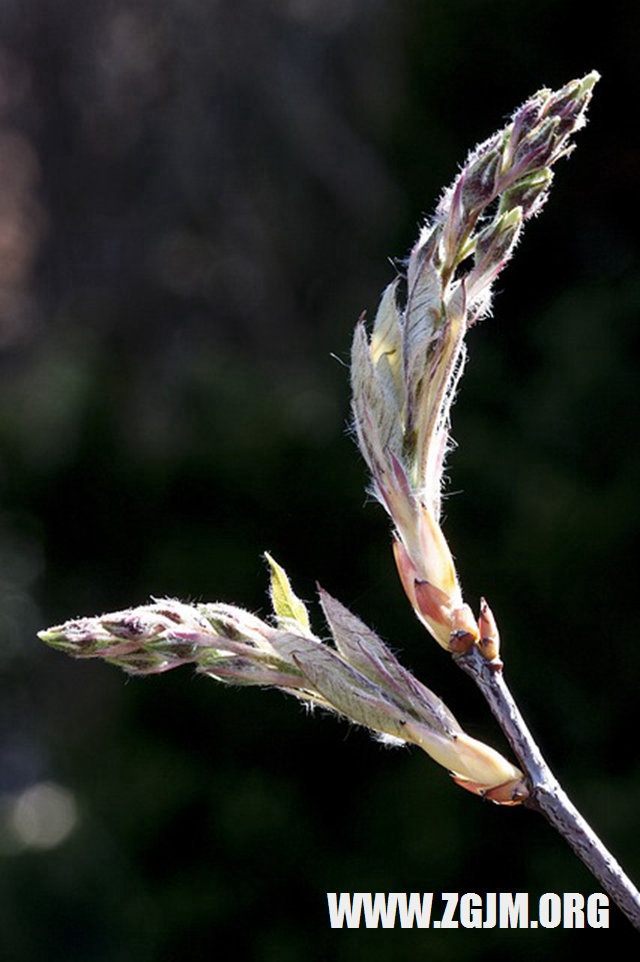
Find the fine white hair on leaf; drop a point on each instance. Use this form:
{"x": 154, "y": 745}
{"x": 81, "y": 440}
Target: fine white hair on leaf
{"x": 389, "y": 741}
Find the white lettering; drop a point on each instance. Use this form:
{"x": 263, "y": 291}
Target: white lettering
{"x": 415, "y": 911}
{"x": 573, "y": 910}
{"x": 509, "y": 910}
{"x": 447, "y": 922}
{"x": 598, "y": 910}
{"x": 471, "y": 911}
{"x": 347, "y": 909}
{"x": 383, "y": 910}
{"x": 514, "y": 910}
{"x": 491, "y": 903}
{"x": 550, "y": 910}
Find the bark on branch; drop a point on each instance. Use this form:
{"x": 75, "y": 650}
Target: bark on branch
{"x": 546, "y": 794}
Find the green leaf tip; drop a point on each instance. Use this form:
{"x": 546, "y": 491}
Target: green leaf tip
{"x": 287, "y": 607}
{"x": 590, "y": 80}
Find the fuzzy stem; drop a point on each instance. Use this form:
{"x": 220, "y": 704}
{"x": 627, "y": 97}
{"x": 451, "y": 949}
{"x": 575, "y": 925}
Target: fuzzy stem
{"x": 546, "y": 794}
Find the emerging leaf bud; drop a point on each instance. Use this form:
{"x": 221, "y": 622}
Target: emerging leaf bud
{"x": 529, "y": 193}
{"x": 405, "y": 375}
{"x": 480, "y": 177}
{"x": 360, "y": 679}
{"x": 489, "y": 643}
{"x": 494, "y": 246}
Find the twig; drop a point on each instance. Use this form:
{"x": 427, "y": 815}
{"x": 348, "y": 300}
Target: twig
{"x": 546, "y": 794}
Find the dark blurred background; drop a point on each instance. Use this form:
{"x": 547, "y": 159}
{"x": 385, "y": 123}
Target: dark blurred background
{"x": 197, "y": 200}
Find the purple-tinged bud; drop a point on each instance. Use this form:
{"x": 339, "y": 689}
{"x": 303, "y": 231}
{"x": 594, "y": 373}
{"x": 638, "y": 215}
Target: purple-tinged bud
{"x": 570, "y": 103}
{"x": 526, "y": 118}
{"x": 562, "y": 102}
{"x": 536, "y": 150}
{"x": 129, "y": 627}
{"x": 530, "y": 193}
{"x": 454, "y": 228}
{"x": 573, "y": 116}
{"x": 494, "y": 246}
{"x": 495, "y": 241}
{"x": 478, "y": 180}
{"x": 87, "y": 638}
{"x": 142, "y": 663}
{"x": 560, "y": 115}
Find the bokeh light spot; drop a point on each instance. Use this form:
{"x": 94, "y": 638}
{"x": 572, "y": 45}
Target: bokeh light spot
{"x": 43, "y": 815}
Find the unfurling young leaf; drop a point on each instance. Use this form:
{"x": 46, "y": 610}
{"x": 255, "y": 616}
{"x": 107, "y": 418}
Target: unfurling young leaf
{"x": 287, "y": 607}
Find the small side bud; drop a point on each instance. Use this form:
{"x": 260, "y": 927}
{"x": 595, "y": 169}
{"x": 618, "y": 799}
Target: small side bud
{"x": 489, "y": 643}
